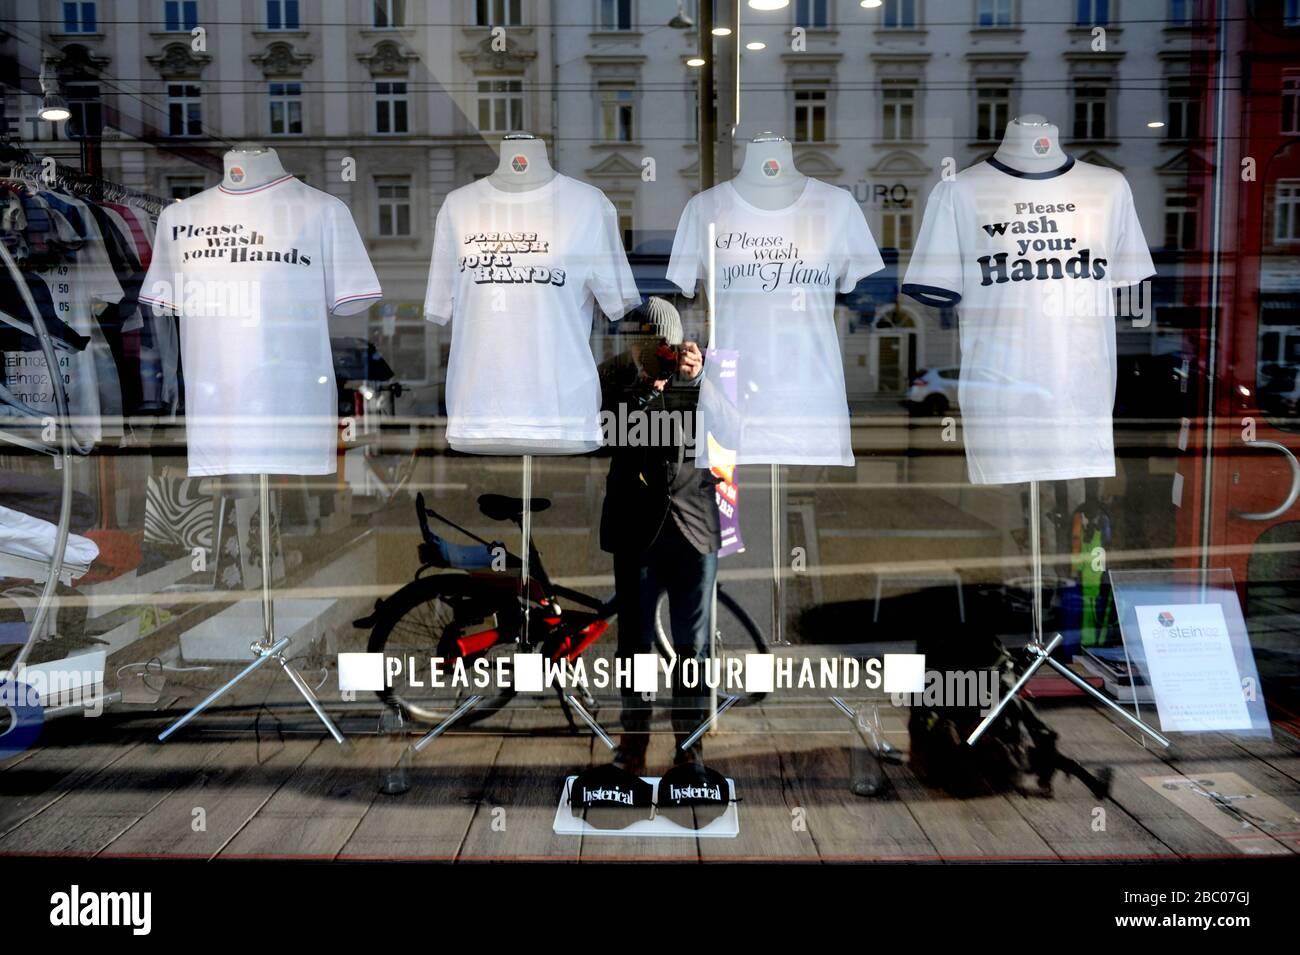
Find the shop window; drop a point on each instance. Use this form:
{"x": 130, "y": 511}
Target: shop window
{"x": 87, "y": 119}
{"x": 993, "y": 13}
{"x": 286, "y": 109}
{"x": 897, "y": 111}
{"x": 1291, "y": 103}
{"x": 80, "y": 18}
{"x": 1184, "y": 113}
{"x": 184, "y": 109}
{"x": 497, "y": 13}
{"x": 182, "y": 187}
{"x": 1286, "y": 212}
{"x": 1090, "y": 109}
{"x": 390, "y": 108}
{"x": 1181, "y": 222}
{"x": 899, "y": 15}
{"x": 992, "y": 111}
{"x": 180, "y": 15}
{"x": 282, "y": 14}
{"x": 1092, "y": 13}
{"x": 810, "y": 115}
{"x": 615, "y": 14}
{"x": 617, "y": 112}
{"x": 500, "y": 106}
{"x": 812, "y": 14}
{"x": 389, "y": 14}
{"x": 393, "y": 195}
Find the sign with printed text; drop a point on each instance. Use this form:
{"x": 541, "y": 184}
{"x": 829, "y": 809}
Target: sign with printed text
{"x": 1192, "y": 667}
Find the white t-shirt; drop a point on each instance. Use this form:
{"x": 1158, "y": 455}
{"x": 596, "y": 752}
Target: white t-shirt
{"x": 522, "y": 274}
{"x": 255, "y": 276}
{"x": 774, "y": 379}
{"x": 1033, "y": 260}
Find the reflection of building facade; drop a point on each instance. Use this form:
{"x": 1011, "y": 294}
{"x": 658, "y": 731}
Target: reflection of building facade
{"x": 389, "y": 107}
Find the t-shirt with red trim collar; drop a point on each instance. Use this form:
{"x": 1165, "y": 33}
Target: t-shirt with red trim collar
{"x": 254, "y": 276}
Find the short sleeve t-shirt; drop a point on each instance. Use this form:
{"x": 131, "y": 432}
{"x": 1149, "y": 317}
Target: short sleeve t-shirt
{"x": 521, "y": 274}
{"x": 774, "y": 379}
{"x": 1032, "y": 261}
{"x": 254, "y": 275}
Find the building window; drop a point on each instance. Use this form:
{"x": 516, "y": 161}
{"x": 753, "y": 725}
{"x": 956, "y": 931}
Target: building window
{"x": 497, "y": 13}
{"x": 897, "y": 106}
{"x": 500, "y": 105}
{"x": 899, "y": 15}
{"x": 1291, "y": 103}
{"x": 1184, "y": 113}
{"x": 616, "y": 14}
{"x": 1180, "y": 221}
{"x": 282, "y": 14}
{"x": 1291, "y": 15}
{"x": 389, "y": 13}
{"x": 992, "y": 111}
{"x": 393, "y": 195}
{"x": 1090, "y": 112}
{"x": 87, "y": 119}
{"x": 184, "y": 110}
{"x": 993, "y": 13}
{"x": 79, "y": 18}
{"x": 1183, "y": 13}
{"x": 897, "y": 224}
{"x": 624, "y": 206}
{"x": 180, "y": 15}
{"x": 1092, "y": 13}
{"x": 1286, "y": 212}
{"x": 810, "y": 115}
{"x": 811, "y": 14}
{"x": 286, "y": 109}
{"x": 617, "y": 112}
{"x": 390, "y": 107}
{"x": 182, "y": 187}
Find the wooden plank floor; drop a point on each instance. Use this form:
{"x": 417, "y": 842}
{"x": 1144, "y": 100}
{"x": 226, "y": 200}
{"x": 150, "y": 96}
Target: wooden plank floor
{"x": 271, "y": 784}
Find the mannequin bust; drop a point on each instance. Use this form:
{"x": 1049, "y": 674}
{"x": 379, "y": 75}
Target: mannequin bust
{"x": 1031, "y": 144}
{"x": 523, "y": 165}
{"x": 768, "y": 178}
{"x": 250, "y": 165}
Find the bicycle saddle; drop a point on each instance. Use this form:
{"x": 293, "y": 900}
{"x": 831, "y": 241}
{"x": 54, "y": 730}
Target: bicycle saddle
{"x": 500, "y": 507}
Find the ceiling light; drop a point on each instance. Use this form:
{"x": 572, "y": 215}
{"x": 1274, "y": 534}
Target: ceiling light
{"x": 695, "y": 61}
{"x": 54, "y": 108}
{"x": 769, "y": 4}
{"x": 722, "y": 31}
{"x": 1155, "y": 124}
{"x": 755, "y": 45}
{"x": 871, "y": 4}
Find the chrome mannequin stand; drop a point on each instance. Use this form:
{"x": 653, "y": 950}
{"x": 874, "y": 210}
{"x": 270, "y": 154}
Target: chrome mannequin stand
{"x": 268, "y": 648}
{"x": 1042, "y": 653}
{"x": 522, "y": 638}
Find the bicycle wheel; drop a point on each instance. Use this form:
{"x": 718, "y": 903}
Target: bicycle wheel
{"x": 425, "y": 619}
{"x": 735, "y": 634}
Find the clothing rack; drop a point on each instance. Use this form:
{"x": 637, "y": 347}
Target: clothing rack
{"x": 20, "y": 164}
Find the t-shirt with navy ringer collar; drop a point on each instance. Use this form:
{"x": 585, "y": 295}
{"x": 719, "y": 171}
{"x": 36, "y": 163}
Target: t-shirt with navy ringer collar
{"x": 1031, "y": 261}
{"x": 255, "y": 275}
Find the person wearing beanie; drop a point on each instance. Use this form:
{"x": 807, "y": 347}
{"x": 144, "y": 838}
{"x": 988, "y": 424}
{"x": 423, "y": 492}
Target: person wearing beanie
{"x": 660, "y": 516}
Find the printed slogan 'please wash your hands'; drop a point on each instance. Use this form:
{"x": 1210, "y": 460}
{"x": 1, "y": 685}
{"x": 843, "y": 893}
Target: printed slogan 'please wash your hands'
{"x": 1038, "y": 232}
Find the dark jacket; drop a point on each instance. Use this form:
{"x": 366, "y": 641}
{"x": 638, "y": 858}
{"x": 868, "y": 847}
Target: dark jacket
{"x": 653, "y": 480}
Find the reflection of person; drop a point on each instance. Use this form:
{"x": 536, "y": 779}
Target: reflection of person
{"x": 660, "y": 518}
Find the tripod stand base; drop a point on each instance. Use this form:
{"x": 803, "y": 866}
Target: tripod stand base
{"x": 1043, "y": 655}
{"x": 263, "y": 653}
